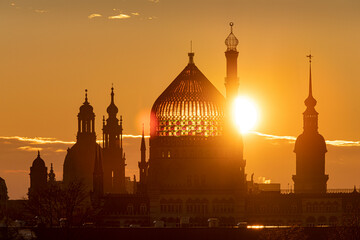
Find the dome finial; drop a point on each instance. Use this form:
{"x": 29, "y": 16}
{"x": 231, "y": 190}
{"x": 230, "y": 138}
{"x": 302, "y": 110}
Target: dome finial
{"x": 86, "y": 98}
{"x": 191, "y": 54}
{"x": 38, "y": 153}
{"x": 231, "y": 41}
{"x": 112, "y": 93}
{"x": 231, "y": 26}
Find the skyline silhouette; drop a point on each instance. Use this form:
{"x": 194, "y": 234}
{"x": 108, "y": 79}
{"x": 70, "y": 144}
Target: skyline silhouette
{"x": 272, "y": 72}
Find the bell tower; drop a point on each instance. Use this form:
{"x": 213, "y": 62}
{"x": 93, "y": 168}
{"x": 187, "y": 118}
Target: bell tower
{"x": 114, "y": 160}
{"x": 86, "y": 122}
{"x": 310, "y": 149}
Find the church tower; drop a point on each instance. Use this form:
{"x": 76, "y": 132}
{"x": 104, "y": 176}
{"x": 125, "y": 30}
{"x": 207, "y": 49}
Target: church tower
{"x": 114, "y": 160}
{"x": 86, "y": 122}
{"x": 143, "y": 166}
{"x": 38, "y": 175}
{"x": 52, "y": 175}
{"x": 310, "y": 149}
{"x": 80, "y": 156}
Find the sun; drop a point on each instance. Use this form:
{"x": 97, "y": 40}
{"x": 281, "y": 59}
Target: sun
{"x": 245, "y": 114}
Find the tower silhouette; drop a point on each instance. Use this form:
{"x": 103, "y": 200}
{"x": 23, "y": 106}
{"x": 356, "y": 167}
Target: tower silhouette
{"x": 38, "y": 176}
{"x": 233, "y": 139}
{"x": 80, "y": 157}
{"x": 114, "y": 160}
{"x": 310, "y": 149}
{"x": 143, "y": 166}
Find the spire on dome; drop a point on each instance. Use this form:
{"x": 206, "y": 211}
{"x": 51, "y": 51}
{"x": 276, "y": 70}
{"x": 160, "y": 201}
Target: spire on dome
{"x": 310, "y": 101}
{"x": 86, "y": 98}
{"x": 231, "y": 41}
{"x": 38, "y": 153}
{"x": 112, "y": 109}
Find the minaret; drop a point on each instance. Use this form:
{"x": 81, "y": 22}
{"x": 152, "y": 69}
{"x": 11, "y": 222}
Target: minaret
{"x": 98, "y": 184}
{"x": 231, "y": 79}
{"x": 143, "y": 165}
{"x": 310, "y": 149}
{"x": 234, "y": 141}
{"x": 52, "y": 175}
{"x": 86, "y": 122}
{"x": 114, "y": 162}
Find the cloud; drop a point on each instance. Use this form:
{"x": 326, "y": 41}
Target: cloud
{"x": 40, "y": 11}
{"x": 94, "y": 15}
{"x": 120, "y": 16}
{"x": 292, "y": 139}
{"x": 135, "y": 13}
{"x": 154, "y": 1}
{"x": 60, "y": 150}
{"x": 37, "y": 140}
{"x": 29, "y": 149}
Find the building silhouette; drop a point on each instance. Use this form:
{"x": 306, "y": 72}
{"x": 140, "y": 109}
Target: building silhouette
{"x": 310, "y": 149}
{"x": 196, "y": 165}
{"x": 38, "y": 176}
{"x": 196, "y": 169}
{"x": 114, "y": 157}
{"x": 80, "y": 156}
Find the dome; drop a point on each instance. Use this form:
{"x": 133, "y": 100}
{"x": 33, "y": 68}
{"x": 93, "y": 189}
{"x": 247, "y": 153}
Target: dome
{"x": 231, "y": 41}
{"x": 86, "y": 108}
{"x": 38, "y": 162}
{"x": 310, "y": 142}
{"x": 189, "y": 106}
{"x": 112, "y": 108}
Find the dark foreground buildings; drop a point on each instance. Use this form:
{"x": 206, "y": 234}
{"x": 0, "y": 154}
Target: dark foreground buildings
{"x": 196, "y": 169}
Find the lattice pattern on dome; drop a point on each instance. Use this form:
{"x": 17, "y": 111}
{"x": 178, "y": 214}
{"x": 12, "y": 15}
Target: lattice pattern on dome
{"x": 190, "y": 106}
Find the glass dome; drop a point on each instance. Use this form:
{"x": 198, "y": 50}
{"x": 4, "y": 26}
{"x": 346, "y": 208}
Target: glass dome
{"x": 189, "y": 106}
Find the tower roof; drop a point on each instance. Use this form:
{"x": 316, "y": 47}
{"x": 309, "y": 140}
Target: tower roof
{"x": 86, "y": 108}
{"x": 310, "y": 101}
{"x": 112, "y": 109}
{"x": 231, "y": 41}
{"x": 38, "y": 162}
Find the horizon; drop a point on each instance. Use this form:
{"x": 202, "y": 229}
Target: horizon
{"x": 52, "y": 52}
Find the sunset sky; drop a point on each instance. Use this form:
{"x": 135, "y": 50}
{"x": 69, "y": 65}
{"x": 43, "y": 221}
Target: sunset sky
{"x": 51, "y": 51}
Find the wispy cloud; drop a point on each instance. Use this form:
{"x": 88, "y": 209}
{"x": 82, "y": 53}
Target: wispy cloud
{"x": 94, "y": 15}
{"x": 120, "y": 16}
{"x": 154, "y": 1}
{"x": 29, "y": 148}
{"x": 40, "y": 11}
{"x": 135, "y": 13}
{"x": 292, "y": 139}
{"x": 37, "y": 140}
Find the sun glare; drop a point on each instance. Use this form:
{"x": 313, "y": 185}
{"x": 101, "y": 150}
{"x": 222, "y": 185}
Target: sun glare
{"x": 245, "y": 114}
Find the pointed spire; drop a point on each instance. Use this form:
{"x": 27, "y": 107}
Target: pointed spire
{"x": 38, "y": 153}
{"x": 143, "y": 147}
{"x": 310, "y": 101}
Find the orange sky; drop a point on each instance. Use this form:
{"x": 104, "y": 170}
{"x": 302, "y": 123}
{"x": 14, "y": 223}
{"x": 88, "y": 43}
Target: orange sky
{"x": 52, "y": 50}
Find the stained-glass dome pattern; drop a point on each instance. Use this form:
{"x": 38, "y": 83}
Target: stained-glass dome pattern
{"x": 189, "y": 106}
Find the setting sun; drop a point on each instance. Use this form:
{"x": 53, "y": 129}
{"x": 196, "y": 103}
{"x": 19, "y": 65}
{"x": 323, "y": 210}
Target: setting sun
{"x": 245, "y": 114}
